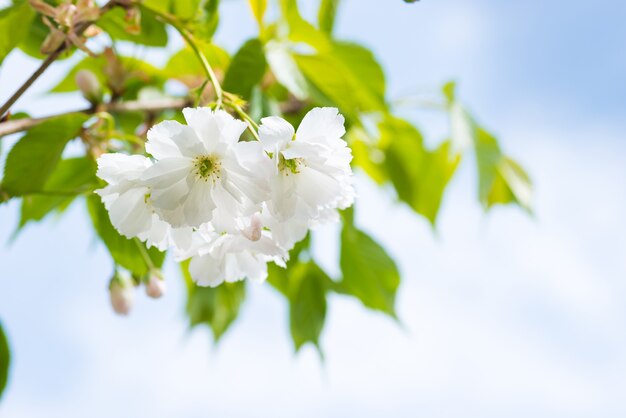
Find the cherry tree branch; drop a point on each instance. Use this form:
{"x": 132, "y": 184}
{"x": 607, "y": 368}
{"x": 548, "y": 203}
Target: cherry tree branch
{"x": 154, "y": 105}
{"x": 49, "y": 60}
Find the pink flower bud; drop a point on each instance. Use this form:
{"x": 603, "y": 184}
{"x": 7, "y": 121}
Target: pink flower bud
{"x": 89, "y": 85}
{"x": 155, "y": 287}
{"x": 122, "y": 293}
{"x": 254, "y": 230}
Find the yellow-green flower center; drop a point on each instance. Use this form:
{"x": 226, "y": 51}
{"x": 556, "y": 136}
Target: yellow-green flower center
{"x": 291, "y": 165}
{"x": 207, "y": 167}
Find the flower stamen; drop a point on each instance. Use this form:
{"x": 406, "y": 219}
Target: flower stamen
{"x": 207, "y": 167}
{"x": 289, "y": 165}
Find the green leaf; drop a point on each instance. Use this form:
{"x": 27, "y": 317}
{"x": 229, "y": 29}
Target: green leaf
{"x": 307, "y": 304}
{"x": 367, "y": 153}
{"x": 258, "y": 10}
{"x": 15, "y": 22}
{"x": 209, "y": 19}
{"x": 300, "y": 30}
{"x": 152, "y": 31}
{"x": 71, "y": 177}
{"x": 501, "y": 180}
{"x": 327, "y": 14}
{"x": 5, "y": 360}
{"x": 281, "y": 278}
{"x": 419, "y": 176}
{"x": 349, "y": 76}
{"x": 128, "y": 253}
{"x": 31, "y": 161}
{"x": 163, "y": 6}
{"x": 246, "y": 69}
{"x": 364, "y": 67}
{"x": 369, "y": 273}
{"x": 186, "y": 9}
{"x": 216, "y": 307}
{"x": 449, "y": 91}
{"x": 185, "y": 67}
{"x": 139, "y": 74}
{"x": 285, "y": 69}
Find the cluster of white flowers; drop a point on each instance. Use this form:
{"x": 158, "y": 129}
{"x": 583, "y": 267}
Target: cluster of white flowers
{"x": 229, "y": 205}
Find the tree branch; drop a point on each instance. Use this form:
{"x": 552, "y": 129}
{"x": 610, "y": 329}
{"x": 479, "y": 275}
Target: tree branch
{"x": 49, "y": 60}
{"x": 156, "y": 105}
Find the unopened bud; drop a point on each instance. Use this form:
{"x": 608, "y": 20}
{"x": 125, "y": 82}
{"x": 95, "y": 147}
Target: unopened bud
{"x": 43, "y": 8}
{"x": 254, "y": 230}
{"x": 155, "y": 287}
{"x": 122, "y": 293}
{"x": 89, "y": 85}
{"x": 66, "y": 13}
{"x": 87, "y": 11}
{"x": 133, "y": 20}
{"x": 52, "y": 42}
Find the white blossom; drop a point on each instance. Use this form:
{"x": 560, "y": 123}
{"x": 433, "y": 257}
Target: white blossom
{"x": 228, "y": 205}
{"x": 236, "y": 254}
{"x": 128, "y": 200}
{"x": 199, "y": 167}
{"x": 312, "y": 164}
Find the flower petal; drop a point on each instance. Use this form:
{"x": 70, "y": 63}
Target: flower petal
{"x": 322, "y": 125}
{"x": 275, "y": 132}
{"x": 117, "y": 167}
{"x": 170, "y": 139}
{"x": 166, "y": 172}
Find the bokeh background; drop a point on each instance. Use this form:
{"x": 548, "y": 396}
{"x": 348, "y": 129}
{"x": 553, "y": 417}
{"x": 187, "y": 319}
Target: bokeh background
{"x": 502, "y": 314}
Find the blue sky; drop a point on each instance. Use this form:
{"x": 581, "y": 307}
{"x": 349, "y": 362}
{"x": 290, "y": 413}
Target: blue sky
{"x": 504, "y": 315}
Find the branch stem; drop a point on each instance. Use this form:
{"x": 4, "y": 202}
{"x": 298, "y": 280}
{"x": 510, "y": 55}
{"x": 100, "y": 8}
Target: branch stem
{"x": 188, "y": 37}
{"x": 18, "y": 125}
{"x": 46, "y": 63}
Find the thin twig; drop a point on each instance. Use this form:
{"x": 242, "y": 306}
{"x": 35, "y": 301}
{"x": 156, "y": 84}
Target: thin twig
{"x": 157, "y": 105}
{"x": 49, "y": 60}
{"x": 189, "y": 39}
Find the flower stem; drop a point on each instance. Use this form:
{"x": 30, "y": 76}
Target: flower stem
{"x": 48, "y": 61}
{"x": 145, "y": 255}
{"x": 188, "y": 37}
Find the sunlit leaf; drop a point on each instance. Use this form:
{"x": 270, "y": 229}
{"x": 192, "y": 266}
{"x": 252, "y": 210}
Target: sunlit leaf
{"x": 186, "y": 9}
{"x": 369, "y": 273}
{"x": 501, "y": 180}
{"x": 164, "y": 6}
{"x": 285, "y": 69}
{"x": 70, "y": 178}
{"x": 152, "y": 31}
{"x": 5, "y": 360}
{"x": 206, "y": 24}
{"x": 138, "y": 75}
{"x": 185, "y": 66}
{"x": 327, "y": 14}
{"x": 246, "y": 69}
{"x": 301, "y": 30}
{"x": 258, "y": 10}
{"x": 307, "y": 304}
{"x": 14, "y": 26}
{"x": 419, "y": 175}
{"x": 349, "y": 76}
{"x": 281, "y": 278}
{"x": 215, "y": 307}
{"x": 31, "y": 161}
